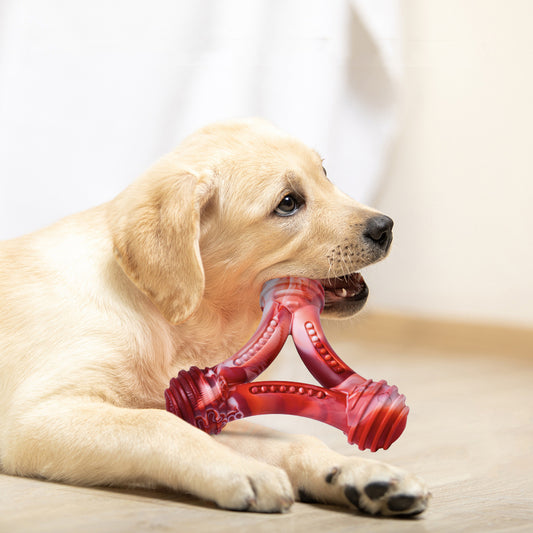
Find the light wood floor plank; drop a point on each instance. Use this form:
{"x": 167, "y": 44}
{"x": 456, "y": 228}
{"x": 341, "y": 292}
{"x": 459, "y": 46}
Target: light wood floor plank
{"x": 469, "y": 434}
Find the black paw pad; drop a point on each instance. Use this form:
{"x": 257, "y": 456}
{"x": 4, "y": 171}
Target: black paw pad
{"x": 332, "y": 476}
{"x": 305, "y": 497}
{"x": 401, "y": 502}
{"x": 353, "y": 495}
{"x": 377, "y": 490}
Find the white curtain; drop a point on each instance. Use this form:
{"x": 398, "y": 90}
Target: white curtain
{"x": 91, "y": 93}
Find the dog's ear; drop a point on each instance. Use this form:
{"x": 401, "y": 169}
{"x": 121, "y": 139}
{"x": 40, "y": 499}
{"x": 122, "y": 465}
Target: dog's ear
{"x": 155, "y": 226}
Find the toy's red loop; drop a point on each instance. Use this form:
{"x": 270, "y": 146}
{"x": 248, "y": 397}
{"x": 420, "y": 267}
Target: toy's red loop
{"x": 372, "y": 414}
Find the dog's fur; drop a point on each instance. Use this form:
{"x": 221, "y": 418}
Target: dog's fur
{"x": 101, "y": 309}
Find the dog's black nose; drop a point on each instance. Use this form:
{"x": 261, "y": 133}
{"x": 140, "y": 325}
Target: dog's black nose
{"x": 379, "y": 231}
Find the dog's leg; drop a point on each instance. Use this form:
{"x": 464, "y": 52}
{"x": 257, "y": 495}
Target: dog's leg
{"x": 90, "y": 442}
{"x": 318, "y": 474}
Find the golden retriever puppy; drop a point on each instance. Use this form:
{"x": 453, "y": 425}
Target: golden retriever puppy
{"x": 101, "y": 309}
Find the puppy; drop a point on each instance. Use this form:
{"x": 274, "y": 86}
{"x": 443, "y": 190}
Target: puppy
{"x": 101, "y": 309}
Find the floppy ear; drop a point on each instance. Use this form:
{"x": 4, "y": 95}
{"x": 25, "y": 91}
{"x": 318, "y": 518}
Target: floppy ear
{"x": 156, "y": 227}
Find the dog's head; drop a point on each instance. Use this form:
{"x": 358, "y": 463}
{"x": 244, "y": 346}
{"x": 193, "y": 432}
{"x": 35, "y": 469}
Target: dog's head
{"x": 237, "y": 204}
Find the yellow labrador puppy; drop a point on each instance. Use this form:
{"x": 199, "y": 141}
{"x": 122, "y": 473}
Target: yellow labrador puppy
{"x": 101, "y": 309}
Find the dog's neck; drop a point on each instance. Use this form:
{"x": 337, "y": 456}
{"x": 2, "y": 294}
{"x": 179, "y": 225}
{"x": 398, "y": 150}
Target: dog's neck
{"x": 216, "y": 330}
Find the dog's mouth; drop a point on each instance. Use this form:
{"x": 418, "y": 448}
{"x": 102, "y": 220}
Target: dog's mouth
{"x": 345, "y": 295}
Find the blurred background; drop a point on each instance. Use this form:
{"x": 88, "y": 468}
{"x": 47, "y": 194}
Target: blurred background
{"x": 421, "y": 108}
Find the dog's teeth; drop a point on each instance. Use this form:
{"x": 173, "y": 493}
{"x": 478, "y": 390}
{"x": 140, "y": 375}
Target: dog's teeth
{"x": 342, "y": 293}
{"x": 345, "y": 293}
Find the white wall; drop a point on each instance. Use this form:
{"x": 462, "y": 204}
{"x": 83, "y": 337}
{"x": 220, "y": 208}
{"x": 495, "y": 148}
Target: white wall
{"x": 92, "y": 93}
{"x": 460, "y": 185}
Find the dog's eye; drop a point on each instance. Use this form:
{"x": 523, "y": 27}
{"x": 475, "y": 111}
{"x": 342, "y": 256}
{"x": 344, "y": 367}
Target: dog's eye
{"x": 288, "y": 206}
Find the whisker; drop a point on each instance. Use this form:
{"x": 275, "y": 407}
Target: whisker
{"x": 345, "y": 268}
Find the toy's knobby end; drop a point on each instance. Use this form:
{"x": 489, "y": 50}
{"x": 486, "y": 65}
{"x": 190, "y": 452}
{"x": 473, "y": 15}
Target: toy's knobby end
{"x": 200, "y": 397}
{"x": 377, "y": 415}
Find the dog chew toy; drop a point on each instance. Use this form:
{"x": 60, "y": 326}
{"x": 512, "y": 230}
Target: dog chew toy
{"x": 372, "y": 414}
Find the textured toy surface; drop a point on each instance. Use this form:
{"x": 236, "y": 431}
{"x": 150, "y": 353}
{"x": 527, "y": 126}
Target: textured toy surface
{"x": 372, "y": 414}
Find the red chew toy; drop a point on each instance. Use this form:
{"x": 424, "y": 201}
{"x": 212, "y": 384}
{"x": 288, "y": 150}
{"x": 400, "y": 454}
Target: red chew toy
{"x": 372, "y": 414}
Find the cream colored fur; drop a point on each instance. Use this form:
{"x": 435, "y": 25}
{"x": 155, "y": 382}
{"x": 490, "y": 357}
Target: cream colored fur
{"x": 101, "y": 309}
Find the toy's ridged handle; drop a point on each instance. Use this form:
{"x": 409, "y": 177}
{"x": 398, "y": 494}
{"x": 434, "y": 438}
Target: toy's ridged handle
{"x": 257, "y": 354}
{"x": 372, "y": 414}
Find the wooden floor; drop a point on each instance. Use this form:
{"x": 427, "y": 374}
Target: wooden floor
{"x": 469, "y": 434}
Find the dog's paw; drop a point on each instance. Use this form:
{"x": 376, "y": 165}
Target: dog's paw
{"x": 264, "y": 489}
{"x": 378, "y": 488}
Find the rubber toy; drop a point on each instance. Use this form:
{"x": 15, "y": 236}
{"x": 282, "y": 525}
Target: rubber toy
{"x": 372, "y": 414}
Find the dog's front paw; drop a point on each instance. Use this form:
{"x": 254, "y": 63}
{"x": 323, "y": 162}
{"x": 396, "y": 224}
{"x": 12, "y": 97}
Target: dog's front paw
{"x": 378, "y": 488}
{"x": 263, "y": 488}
